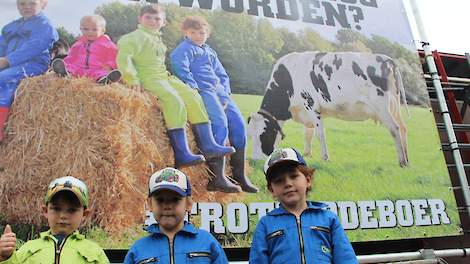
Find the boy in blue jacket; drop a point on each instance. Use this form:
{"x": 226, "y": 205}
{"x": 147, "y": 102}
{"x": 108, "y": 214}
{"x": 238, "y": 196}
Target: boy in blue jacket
{"x": 173, "y": 240}
{"x": 299, "y": 231}
{"x": 24, "y": 51}
{"x": 198, "y": 66}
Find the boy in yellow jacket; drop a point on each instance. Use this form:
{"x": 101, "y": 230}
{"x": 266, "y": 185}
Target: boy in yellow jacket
{"x": 66, "y": 205}
{"x": 141, "y": 60}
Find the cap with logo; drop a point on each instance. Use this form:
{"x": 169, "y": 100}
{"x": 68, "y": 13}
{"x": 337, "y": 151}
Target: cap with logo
{"x": 70, "y": 184}
{"x": 170, "y": 179}
{"x": 283, "y": 156}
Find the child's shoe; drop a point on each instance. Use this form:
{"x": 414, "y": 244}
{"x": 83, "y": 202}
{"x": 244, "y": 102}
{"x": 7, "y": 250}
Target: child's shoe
{"x": 58, "y": 66}
{"x": 112, "y": 76}
{"x": 206, "y": 143}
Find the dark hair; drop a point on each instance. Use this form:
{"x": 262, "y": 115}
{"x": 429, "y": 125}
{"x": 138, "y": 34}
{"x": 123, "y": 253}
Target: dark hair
{"x": 152, "y": 9}
{"x": 277, "y": 171}
{"x": 68, "y": 196}
{"x": 194, "y": 22}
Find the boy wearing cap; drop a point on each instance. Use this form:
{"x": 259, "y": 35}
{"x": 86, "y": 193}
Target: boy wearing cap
{"x": 299, "y": 231}
{"x": 173, "y": 240}
{"x": 66, "y": 203}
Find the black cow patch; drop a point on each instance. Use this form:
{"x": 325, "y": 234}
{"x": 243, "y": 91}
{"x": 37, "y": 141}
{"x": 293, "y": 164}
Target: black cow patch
{"x": 320, "y": 84}
{"x": 268, "y": 137}
{"x": 379, "y": 81}
{"x": 277, "y": 98}
{"x": 380, "y": 92}
{"x": 358, "y": 71}
{"x": 318, "y": 57}
{"x": 328, "y": 71}
{"x": 337, "y": 62}
{"x": 308, "y": 100}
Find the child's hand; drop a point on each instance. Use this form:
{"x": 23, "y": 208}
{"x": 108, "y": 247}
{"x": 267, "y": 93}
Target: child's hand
{"x": 7, "y": 243}
{"x": 4, "y": 62}
{"x": 137, "y": 88}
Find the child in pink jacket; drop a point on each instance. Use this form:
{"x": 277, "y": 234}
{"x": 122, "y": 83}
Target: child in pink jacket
{"x": 93, "y": 55}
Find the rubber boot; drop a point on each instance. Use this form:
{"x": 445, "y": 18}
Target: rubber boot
{"x": 206, "y": 143}
{"x": 3, "y": 119}
{"x": 220, "y": 183}
{"x": 237, "y": 161}
{"x": 183, "y": 155}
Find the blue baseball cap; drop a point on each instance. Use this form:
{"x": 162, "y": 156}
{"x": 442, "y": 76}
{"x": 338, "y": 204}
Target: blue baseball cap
{"x": 170, "y": 179}
{"x": 283, "y": 156}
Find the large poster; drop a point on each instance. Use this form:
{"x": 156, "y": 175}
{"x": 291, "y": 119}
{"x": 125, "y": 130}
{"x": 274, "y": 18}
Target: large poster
{"x": 340, "y": 81}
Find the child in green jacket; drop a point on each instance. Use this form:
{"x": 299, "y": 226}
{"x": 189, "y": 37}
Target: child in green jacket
{"x": 66, "y": 205}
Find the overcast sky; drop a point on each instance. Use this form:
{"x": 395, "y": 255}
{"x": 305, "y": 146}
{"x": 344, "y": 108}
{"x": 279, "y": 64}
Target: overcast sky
{"x": 446, "y": 24}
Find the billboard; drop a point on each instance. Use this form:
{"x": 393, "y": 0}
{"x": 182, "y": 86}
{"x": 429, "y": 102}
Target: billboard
{"x": 336, "y": 70}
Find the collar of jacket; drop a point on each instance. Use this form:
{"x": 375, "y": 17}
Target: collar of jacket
{"x": 188, "y": 229}
{"x": 186, "y": 39}
{"x": 310, "y": 206}
{"x": 40, "y": 14}
{"x": 48, "y": 235}
{"x": 149, "y": 31}
{"x": 100, "y": 38}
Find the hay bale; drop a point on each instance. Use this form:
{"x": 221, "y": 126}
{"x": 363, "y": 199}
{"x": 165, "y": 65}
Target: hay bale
{"x": 111, "y": 137}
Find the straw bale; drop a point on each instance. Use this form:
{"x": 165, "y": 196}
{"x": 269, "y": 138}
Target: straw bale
{"x": 111, "y": 137}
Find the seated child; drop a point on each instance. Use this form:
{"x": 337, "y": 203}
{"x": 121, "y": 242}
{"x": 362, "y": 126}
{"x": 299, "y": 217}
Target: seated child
{"x": 141, "y": 60}
{"x": 93, "y": 55}
{"x": 172, "y": 239}
{"x": 197, "y": 65}
{"x": 66, "y": 204}
{"x": 299, "y": 231}
{"x": 24, "y": 51}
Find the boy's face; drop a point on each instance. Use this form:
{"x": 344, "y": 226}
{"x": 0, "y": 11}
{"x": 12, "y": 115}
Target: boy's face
{"x": 63, "y": 218}
{"x": 198, "y": 36}
{"x": 169, "y": 209}
{"x": 152, "y": 21}
{"x": 29, "y": 8}
{"x": 90, "y": 29}
{"x": 290, "y": 188}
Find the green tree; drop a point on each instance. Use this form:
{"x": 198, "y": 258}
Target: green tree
{"x": 67, "y": 36}
{"x": 120, "y": 18}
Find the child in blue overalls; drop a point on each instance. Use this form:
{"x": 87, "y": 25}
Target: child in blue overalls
{"x": 299, "y": 231}
{"x": 24, "y": 51}
{"x": 197, "y": 65}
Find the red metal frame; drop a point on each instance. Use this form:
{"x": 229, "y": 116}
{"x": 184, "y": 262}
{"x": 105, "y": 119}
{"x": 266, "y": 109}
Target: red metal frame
{"x": 451, "y": 101}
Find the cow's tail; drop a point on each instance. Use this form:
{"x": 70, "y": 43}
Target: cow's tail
{"x": 401, "y": 88}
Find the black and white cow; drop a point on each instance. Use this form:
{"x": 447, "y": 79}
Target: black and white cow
{"x": 310, "y": 86}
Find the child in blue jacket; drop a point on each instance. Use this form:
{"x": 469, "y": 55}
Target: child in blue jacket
{"x": 24, "y": 51}
{"x": 299, "y": 231}
{"x": 198, "y": 66}
{"x": 173, "y": 240}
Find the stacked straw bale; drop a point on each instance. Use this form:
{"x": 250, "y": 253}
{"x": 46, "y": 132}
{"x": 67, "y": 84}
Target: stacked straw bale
{"x": 111, "y": 137}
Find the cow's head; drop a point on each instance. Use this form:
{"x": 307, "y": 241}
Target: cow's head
{"x": 265, "y": 132}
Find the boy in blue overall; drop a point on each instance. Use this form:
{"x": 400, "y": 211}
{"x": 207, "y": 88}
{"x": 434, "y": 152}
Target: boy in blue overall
{"x": 299, "y": 231}
{"x": 197, "y": 65}
{"x": 24, "y": 51}
{"x": 173, "y": 240}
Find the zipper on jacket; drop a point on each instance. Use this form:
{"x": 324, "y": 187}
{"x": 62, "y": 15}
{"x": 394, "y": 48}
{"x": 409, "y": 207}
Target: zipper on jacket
{"x": 301, "y": 239}
{"x": 171, "y": 248}
{"x": 88, "y": 44}
{"x": 58, "y": 250}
